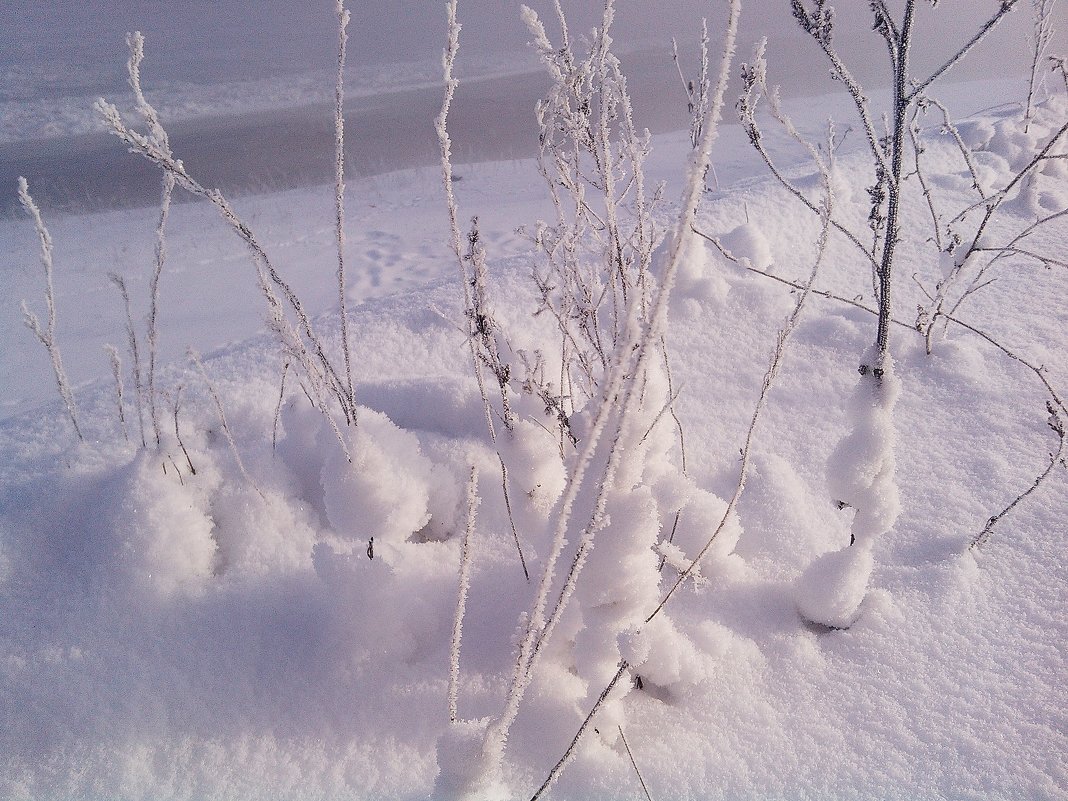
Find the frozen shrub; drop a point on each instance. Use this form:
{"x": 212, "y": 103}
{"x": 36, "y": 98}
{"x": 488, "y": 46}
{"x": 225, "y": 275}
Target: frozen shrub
{"x": 595, "y": 279}
{"x": 329, "y": 388}
{"x": 861, "y": 471}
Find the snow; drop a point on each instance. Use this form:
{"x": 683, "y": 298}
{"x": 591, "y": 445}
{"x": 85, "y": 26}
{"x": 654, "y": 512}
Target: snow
{"x": 833, "y": 587}
{"x": 748, "y": 244}
{"x": 171, "y": 634}
{"x": 861, "y": 476}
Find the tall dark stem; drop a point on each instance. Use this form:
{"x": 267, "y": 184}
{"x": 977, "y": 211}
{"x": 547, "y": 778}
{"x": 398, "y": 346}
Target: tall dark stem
{"x": 899, "y": 55}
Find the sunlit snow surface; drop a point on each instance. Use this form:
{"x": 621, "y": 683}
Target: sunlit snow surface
{"x": 165, "y": 635}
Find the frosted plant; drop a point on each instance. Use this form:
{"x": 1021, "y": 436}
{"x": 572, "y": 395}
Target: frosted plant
{"x": 490, "y": 341}
{"x": 135, "y": 357}
{"x": 832, "y": 591}
{"x": 611, "y": 317}
{"x": 116, "y": 374}
{"x": 445, "y": 144}
{"x": 888, "y": 150}
{"x": 461, "y": 596}
{"x": 343, "y": 18}
{"x": 158, "y": 136}
{"x": 481, "y": 337}
{"x": 1056, "y": 423}
{"x": 1057, "y": 65}
{"x": 970, "y": 254}
{"x": 1041, "y": 38}
{"x": 966, "y": 253}
{"x": 597, "y": 253}
{"x": 47, "y": 334}
{"x": 299, "y": 341}
{"x": 697, "y": 93}
{"x": 861, "y": 471}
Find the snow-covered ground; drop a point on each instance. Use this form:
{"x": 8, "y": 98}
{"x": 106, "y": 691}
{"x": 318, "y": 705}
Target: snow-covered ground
{"x": 165, "y": 634}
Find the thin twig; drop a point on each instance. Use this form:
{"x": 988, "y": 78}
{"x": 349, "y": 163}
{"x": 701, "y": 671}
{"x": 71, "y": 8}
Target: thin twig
{"x": 1014, "y": 251}
{"x": 818, "y": 25}
{"x": 917, "y": 150}
{"x": 673, "y": 394}
{"x": 166, "y": 193}
{"x": 278, "y": 407}
{"x": 1057, "y": 458}
{"x": 343, "y": 18}
{"x": 195, "y": 358}
{"x": 47, "y": 335}
{"x": 116, "y": 373}
{"x": 511, "y": 519}
{"x": 178, "y": 433}
{"x": 634, "y": 764}
{"x": 1006, "y": 6}
{"x": 131, "y": 340}
{"x": 670, "y": 539}
{"x": 461, "y": 595}
{"x": 562, "y": 762}
{"x": 965, "y": 151}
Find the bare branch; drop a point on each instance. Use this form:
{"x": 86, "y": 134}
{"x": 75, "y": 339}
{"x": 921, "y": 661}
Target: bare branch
{"x": 131, "y": 340}
{"x": 1057, "y": 424}
{"x": 116, "y": 374}
{"x": 989, "y": 25}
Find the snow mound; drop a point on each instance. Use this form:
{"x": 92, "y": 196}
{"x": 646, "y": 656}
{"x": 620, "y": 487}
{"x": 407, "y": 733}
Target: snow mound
{"x": 750, "y": 246}
{"x": 832, "y": 588}
{"x": 382, "y": 490}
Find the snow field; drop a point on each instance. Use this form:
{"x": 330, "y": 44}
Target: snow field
{"x": 170, "y": 635}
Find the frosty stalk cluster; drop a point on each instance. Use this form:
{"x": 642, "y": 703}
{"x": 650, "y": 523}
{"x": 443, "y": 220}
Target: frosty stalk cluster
{"x": 386, "y": 541}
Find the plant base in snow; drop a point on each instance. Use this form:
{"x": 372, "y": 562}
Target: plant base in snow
{"x": 832, "y": 588}
{"x": 860, "y": 474}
